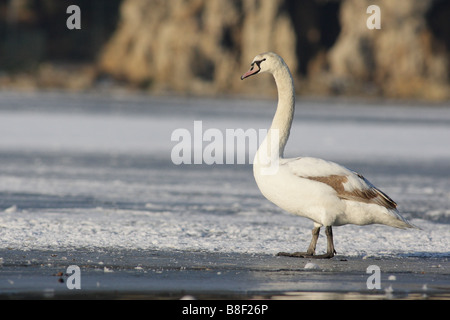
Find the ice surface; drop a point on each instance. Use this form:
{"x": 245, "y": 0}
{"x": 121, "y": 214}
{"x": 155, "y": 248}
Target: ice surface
{"x": 92, "y": 171}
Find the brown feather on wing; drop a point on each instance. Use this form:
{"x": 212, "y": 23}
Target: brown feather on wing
{"x": 369, "y": 195}
{"x": 372, "y": 195}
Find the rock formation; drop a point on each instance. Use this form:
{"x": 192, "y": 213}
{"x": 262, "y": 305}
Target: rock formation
{"x": 195, "y": 46}
{"x": 201, "y": 46}
{"x": 403, "y": 59}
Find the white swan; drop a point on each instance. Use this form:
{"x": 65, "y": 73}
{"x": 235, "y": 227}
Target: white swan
{"x": 323, "y": 191}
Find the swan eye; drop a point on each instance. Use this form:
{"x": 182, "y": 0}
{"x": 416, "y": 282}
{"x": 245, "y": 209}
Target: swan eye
{"x": 259, "y": 62}
{"x": 253, "y": 70}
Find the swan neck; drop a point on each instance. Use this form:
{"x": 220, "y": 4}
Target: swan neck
{"x": 272, "y": 148}
{"x": 284, "y": 114}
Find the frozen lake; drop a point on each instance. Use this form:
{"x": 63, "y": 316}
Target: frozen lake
{"x": 95, "y": 171}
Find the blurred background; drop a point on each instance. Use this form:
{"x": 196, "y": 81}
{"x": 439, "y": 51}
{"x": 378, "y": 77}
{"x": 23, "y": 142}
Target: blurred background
{"x": 201, "y": 47}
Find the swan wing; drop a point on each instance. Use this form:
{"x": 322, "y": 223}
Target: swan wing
{"x": 348, "y": 184}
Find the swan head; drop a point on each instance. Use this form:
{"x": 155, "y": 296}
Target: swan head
{"x": 264, "y": 62}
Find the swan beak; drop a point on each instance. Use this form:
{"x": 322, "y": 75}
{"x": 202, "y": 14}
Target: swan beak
{"x": 253, "y": 70}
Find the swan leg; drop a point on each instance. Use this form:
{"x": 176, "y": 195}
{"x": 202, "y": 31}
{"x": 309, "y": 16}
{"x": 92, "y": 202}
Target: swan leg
{"x": 311, "y": 249}
{"x": 330, "y": 245}
{"x": 310, "y": 253}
